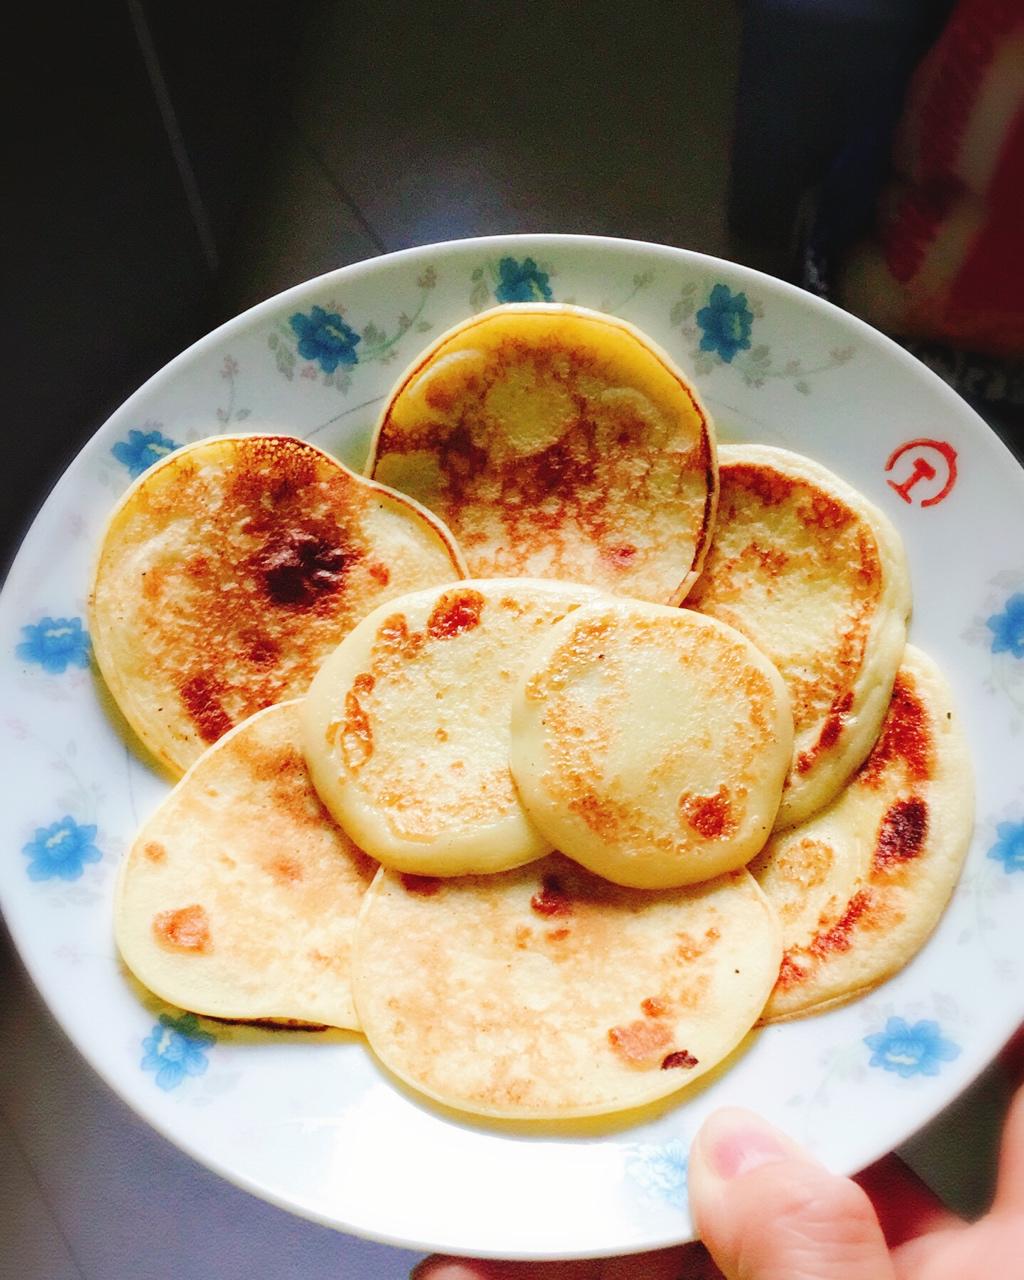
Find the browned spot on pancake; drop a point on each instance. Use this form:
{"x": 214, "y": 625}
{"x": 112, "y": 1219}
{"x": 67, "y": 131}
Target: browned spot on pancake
{"x": 620, "y": 557}
{"x": 830, "y": 731}
{"x": 640, "y": 1043}
{"x": 441, "y": 734}
{"x": 772, "y": 560}
{"x": 380, "y": 573}
{"x": 285, "y": 870}
{"x": 187, "y": 929}
{"x": 901, "y": 834}
{"x": 600, "y": 815}
{"x": 689, "y": 948}
{"x": 655, "y": 1006}
{"x": 425, "y": 886}
{"x": 271, "y": 469}
{"x": 906, "y": 738}
{"x": 154, "y": 851}
{"x": 395, "y": 640}
{"x": 558, "y": 935}
{"x": 790, "y": 972}
{"x": 772, "y": 487}
{"x": 680, "y": 1058}
{"x": 363, "y": 683}
{"x": 824, "y": 512}
{"x": 552, "y": 898}
{"x": 356, "y": 733}
{"x": 803, "y": 864}
{"x": 298, "y": 567}
{"x": 838, "y": 937}
{"x": 710, "y": 816}
{"x": 455, "y": 612}
{"x": 261, "y": 650}
{"x": 200, "y": 698}
{"x": 869, "y": 567}
{"x": 523, "y": 935}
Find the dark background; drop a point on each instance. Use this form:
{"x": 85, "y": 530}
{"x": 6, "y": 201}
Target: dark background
{"x": 173, "y": 162}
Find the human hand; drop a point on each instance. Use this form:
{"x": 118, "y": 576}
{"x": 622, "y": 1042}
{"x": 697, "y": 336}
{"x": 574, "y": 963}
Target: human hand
{"x": 767, "y": 1211}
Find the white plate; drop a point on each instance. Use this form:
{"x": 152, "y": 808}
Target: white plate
{"x": 310, "y": 1122}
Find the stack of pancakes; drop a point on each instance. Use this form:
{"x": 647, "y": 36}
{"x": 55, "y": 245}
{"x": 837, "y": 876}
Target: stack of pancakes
{"x": 460, "y": 772}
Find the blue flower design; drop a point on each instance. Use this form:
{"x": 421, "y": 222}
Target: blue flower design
{"x": 1009, "y": 847}
{"x": 142, "y": 449}
{"x": 661, "y": 1170}
{"x": 910, "y": 1050}
{"x": 1008, "y": 627}
{"x": 726, "y": 322}
{"x": 175, "y": 1048}
{"x": 61, "y": 850}
{"x": 326, "y": 338}
{"x": 522, "y": 282}
{"x": 55, "y": 644}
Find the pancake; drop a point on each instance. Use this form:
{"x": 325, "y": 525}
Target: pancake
{"x": 231, "y": 569}
{"x": 557, "y": 442}
{"x": 860, "y": 886}
{"x": 547, "y": 992}
{"x": 650, "y": 744}
{"x": 406, "y": 726}
{"x": 817, "y": 578}
{"x": 239, "y": 896}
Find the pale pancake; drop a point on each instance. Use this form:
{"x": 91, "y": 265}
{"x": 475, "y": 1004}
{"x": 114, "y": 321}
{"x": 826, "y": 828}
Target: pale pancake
{"x": 650, "y": 744}
{"x": 406, "y": 726}
{"x": 817, "y": 578}
{"x": 232, "y": 568}
{"x": 860, "y": 886}
{"x": 557, "y": 442}
{"x": 239, "y": 896}
{"x": 547, "y": 992}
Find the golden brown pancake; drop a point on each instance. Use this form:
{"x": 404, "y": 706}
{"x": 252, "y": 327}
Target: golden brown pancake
{"x": 406, "y": 726}
{"x": 861, "y": 885}
{"x": 546, "y": 992}
{"x": 650, "y": 744}
{"x": 557, "y": 442}
{"x": 817, "y": 578}
{"x": 239, "y": 896}
{"x": 232, "y": 568}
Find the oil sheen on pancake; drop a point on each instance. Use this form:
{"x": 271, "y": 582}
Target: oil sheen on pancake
{"x": 406, "y": 726}
{"x": 546, "y": 992}
{"x": 239, "y": 896}
{"x": 860, "y": 886}
{"x": 557, "y": 442}
{"x": 817, "y": 578}
{"x": 650, "y": 744}
{"x": 232, "y": 568}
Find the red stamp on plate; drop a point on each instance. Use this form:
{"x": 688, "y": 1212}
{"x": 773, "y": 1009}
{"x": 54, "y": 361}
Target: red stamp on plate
{"x": 927, "y": 474}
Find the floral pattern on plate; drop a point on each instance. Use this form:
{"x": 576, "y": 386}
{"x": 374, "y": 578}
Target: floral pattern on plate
{"x": 319, "y": 342}
{"x": 55, "y": 644}
{"x": 510, "y": 280}
{"x": 719, "y": 325}
{"x": 176, "y": 1049}
{"x": 141, "y": 449}
{"x": 61, "y": 850}
{"x": 660, "y": 1169}
{"x": 998, "y": 628}
{"x": 908, "y": 1050}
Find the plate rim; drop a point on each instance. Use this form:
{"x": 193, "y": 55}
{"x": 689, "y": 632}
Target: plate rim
{"x": 957, "y": 405}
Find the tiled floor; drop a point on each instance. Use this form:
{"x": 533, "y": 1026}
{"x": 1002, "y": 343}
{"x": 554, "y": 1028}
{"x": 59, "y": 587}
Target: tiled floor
{"x": 464, "y": 120}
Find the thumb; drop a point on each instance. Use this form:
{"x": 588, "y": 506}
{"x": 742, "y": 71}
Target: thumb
{"x": 767, "y": 1211}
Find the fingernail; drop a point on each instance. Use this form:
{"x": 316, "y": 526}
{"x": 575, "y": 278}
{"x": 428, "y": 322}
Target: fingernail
{"x": 738, "y": 1142}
